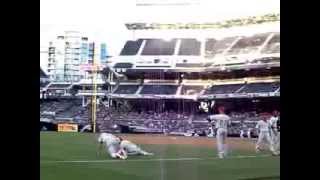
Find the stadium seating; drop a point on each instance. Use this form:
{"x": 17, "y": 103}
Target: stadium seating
{"x": 260, "y": 88}
{"x": 58, "y": 86}
{"x": 43, "y": 84}
{"x": 223, "y": 89}
{"x": 191, "y": 90}
{"x": 159, "y": 89}
{"x": 126, "y": 89}
{"x": 151, "y": 121}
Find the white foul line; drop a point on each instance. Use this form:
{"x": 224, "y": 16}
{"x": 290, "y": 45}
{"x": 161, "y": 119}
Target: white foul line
{"x": 148, "y": 160}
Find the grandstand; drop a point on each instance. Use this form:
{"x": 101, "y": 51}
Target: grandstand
{"x": 159, "y": 85}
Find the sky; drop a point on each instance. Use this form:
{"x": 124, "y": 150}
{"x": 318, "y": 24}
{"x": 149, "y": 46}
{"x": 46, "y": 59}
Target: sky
{"x": 104, "y": 20}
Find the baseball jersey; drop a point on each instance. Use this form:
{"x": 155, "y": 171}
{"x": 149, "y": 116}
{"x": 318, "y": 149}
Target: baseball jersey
{"x": 128, "y": 146}
{"x": 109, "y": 139}
{"x": 273, "y": 121}
{"x": 263, "y": 126}
{"x": 221, "y": 120}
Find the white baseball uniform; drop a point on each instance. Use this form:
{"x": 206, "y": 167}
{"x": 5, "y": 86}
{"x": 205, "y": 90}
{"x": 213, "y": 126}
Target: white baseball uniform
{"x": 222, "y": 121}
{"x": 132, "y": 149}
{"x": 112, "y": 143}
{"x": 241, "y": 133}
{"x": 264, "y": 135}
{"x": 274, "y": 133}
{"x": 249, "y": 133}
{"x": 211, "y": 132}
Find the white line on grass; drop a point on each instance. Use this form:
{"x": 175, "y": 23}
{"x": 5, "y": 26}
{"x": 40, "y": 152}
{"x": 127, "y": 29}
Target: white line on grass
{"x": 148, "y": 160}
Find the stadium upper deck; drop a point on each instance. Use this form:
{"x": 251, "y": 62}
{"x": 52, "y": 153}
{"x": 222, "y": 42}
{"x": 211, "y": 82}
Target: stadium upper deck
{"x": 255, "y": 46}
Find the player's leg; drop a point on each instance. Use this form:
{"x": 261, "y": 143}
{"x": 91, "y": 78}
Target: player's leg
{"x": 224, "y": 143}
{"x": 140, "y": 151}
{"x": 273, "y": 136}
{"x": 270, "y": 143}
{"x": 114, "y": 152}
{"x": 220, "y": 143}
{"x": 145, "y": 153}
{"x": 278, "y": 143}
{"x": 259, "y": 142}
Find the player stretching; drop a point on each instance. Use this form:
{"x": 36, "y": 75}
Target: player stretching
{"x": 221, "y": 121}
{"x": 264, "y": 134}
{"x": 132, "y": 149}
{"x": 112, "y": 145}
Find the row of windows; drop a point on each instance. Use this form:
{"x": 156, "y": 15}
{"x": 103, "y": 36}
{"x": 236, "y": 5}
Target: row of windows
{"x": 193, "y": 46}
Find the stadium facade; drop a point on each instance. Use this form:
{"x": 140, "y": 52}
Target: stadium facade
{"x": 170, "y": 80}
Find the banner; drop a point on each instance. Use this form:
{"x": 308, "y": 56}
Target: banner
{"x": 67, "y": 127}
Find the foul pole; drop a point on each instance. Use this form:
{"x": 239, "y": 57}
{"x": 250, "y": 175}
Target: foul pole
{"x": 94, "y": 94}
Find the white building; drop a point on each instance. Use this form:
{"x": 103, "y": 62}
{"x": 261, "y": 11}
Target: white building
{"x": 69, "y": 53}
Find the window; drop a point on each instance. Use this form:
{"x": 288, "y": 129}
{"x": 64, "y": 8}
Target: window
{"x": 273, "y": 45}
{"x": 155, "y": 47}
{"x": 189, "y": 47}
{"x": 131, "y": 48}
{"x": 248, "y": 44}
{"x": 214, "y": 46}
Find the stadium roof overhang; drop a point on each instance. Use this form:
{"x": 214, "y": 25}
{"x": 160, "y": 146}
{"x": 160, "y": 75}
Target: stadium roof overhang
{"x": 252, "y": 20}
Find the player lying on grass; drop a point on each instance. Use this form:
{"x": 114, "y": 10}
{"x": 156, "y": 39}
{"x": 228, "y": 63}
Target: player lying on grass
{"x": 130, "y": 148}
{"x": 112, "y": 145}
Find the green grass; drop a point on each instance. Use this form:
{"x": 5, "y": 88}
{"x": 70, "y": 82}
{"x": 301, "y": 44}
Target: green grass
{"x": 75, "y": 146}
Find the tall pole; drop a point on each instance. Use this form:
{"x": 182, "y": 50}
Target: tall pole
{"x": 94, "y": 94}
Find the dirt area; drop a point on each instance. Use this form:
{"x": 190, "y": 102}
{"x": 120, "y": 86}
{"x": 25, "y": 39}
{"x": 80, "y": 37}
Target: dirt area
{"x": 236, "y": 143}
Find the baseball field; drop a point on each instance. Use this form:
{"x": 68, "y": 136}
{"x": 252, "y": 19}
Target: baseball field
{"x": 68, "y": 156}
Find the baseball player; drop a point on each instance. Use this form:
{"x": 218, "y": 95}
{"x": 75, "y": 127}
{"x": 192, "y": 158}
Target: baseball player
{"x": 132, "y": 149}
{"x": 249, "y": 133}
{"x": 242, "y": 131}
{"x": 221, "y": 121}
{"x": 112, "y": 145}
{"x": 277, "y": 143}
{"x": 278, "y": 125}
{"x": 211, "y": 132}
{"x": 264, "y": 134}
{"x": 273, "y": 124}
